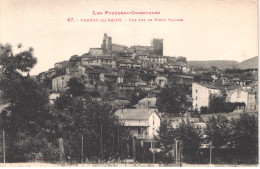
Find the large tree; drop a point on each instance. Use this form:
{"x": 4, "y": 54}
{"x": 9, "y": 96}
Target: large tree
{"x": 73, "y": 118}
{"x": 218, "y": 131}
{"x": 191, "y": 138}
{"x": 27, "y": 112}
{"x": 185, "y": 132}
{"x": 166, "y": 140}
{"x": 244, "y": 138}
{"x": 76, "y": 87}
{"x": 173, "y": 101}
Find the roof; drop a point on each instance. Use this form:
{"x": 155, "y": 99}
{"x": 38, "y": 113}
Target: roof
{"x": 126, "y": 85}
{"x": 134, "y": 114}
{"x": 110, "y": 74}
{"x": 157, "y": 56}
{"x": 184, "y": 76}
{"x": 124, "y": 46}
{"x": 62, "y": 62}
{"x": 208, "y": 85}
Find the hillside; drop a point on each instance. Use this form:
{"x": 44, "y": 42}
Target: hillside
{"x": 251, "y": 63}
{"x": 220, "y": 64}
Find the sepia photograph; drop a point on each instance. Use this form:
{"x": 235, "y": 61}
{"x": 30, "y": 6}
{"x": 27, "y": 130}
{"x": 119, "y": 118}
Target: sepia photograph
{"x": 120, "y": 83}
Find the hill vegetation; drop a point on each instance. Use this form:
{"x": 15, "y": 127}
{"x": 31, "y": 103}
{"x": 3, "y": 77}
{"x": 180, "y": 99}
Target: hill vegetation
{"x": 224, "y": 64}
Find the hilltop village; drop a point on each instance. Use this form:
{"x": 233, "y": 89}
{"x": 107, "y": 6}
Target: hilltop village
{"x": 130, "y": 78}
{"x": 113, "y": 71}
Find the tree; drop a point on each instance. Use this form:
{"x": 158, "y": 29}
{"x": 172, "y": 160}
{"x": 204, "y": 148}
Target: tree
{"x": 216, "y": 104}
{"x": 135, "y": 96}
{"x": 181, "y": 59}
{"x": 218, "y": 131}
{"x": 59, "y": 72}
{"x": 76, "y": 88}
{"x": 191, "y": 137}
{"x": 73, "y": 117}
{"x": 11, "y": 67}
{"x": 26, "y": 114}
{"x": 173, "y": 101}
{"x": 244, "y": 138}
{"x": 73, "y": 60}
{"x": 214, "y": 68}
{"x": 204, "y": 110}
{"x": 166, "y": 140}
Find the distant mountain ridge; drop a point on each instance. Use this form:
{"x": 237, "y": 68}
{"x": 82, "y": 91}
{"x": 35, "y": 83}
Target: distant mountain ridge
{"x": 251, "y": 63}
{"x": 220, "y": 64}
{"x": 224, "y": 64}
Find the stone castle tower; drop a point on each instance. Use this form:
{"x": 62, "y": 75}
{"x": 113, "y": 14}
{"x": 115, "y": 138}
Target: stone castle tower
{"x": 157, "y": 44}
{"x": 107, "y": 44}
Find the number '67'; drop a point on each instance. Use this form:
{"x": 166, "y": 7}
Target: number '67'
{"x": 70, "y": 19}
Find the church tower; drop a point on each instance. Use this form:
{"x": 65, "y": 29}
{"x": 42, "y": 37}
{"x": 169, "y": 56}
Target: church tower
{"x": 107, "y": 44}
{"x": 157, "y": 45}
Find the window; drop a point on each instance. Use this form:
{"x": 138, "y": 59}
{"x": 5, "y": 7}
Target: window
{"x": 196, "y": 91}
{"x": 196, "y": 105}
{"x": 196, "y": 98}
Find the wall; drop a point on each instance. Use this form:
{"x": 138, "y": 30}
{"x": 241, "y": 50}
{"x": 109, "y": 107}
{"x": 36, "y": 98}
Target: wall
{"x": 95, "y": 52}
{"x": 201, "y": 95}
{"x": 60, "y": 83}
{"x": 154, "y": 125}
{"x": 135, "y": 123}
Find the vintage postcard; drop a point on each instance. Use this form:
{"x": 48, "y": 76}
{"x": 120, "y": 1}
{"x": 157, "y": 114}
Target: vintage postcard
{"x": 118, "y": 83}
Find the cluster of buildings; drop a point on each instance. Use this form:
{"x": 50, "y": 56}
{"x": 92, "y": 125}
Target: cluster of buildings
{"x": 114, "y": 71}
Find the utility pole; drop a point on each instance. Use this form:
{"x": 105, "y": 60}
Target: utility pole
{"x": 153, "y": 153}
{"x": 101, "y": 142}
{"x": 210, "y": 152}
{"x": 134, "y": 149}
{"x": 113, "y": 146}
{"x": 82, "y": 149}
{"x": 180, "y": 151}
{"x": 118, "y": 139}
{"x": 4, "y": 145}
{"x": 176, "y": 153}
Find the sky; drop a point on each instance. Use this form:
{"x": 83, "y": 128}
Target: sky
{"x": 210, "y": 30}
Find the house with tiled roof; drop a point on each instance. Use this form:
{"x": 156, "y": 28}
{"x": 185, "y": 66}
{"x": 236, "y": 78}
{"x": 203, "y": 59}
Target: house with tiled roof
{"x": 247, "y": 95}
{"x": 104, "y": 61}
{"x": 141, "y": 123}
{"x": 60, "y": 83}
{"x": 127, "y": 63}
{"x": 47, "y": 74}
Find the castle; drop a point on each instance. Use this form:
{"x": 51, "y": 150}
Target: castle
{"x": 156, "y": 47}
